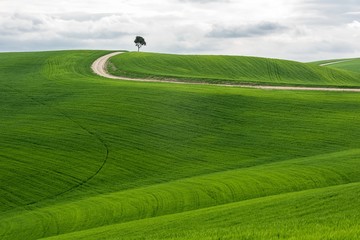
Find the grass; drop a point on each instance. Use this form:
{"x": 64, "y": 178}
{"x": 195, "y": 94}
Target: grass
{"x": 352, "y": 65}
{"x": 229, "y": 69}
{"x": 288, "y": 216}
{"x": 83, "y": 157}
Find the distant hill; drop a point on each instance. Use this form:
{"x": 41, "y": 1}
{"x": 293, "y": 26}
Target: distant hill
{"x": 342, "y": 64}
{"x": 229, "y": 69}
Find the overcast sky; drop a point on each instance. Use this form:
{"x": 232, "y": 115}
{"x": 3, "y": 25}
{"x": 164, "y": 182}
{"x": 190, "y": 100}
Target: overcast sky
{"x": 301, "y": 30}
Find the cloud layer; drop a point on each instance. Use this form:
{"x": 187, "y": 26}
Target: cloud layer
{"x": 297, "y": 29}
{"x": 246, "y": 31}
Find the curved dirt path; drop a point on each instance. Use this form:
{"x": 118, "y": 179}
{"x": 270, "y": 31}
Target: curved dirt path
{"x": 99, "y": 67}
{"x": 331, "y": 63}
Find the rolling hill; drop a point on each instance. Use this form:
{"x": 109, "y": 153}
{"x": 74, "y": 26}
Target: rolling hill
{"x": 352, "y": 65}
{"x": 229, "y": 69}
{"x": 84, "y": 157}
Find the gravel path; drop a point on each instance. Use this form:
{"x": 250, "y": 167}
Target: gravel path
{"x": 99, "y": 67}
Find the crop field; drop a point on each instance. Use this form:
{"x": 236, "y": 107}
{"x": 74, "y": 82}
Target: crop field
{"x": 352, "y": 65}
{"x": 85, "y": 157}
{"x": 230, "y": 69}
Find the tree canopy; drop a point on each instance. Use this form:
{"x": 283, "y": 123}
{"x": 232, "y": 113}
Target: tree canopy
{"x": 139, "y": 42}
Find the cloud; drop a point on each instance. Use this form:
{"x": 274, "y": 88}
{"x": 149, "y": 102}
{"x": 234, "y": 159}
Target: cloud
{"x": 341, "y": 47}
{"x": 246, "y": 31}
{"x": 353, "y": 13}
{"x": 354, "y": 25}
{"x": 329, "y": 12}
{"x": 85, "y": 17}
{"x": 87, "y": 27}
{"x": 296, "y": 29}
{"x": 205, "y": 1}
{"x": 25, "y": 31}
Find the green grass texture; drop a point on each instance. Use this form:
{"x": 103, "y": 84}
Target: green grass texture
{"x": 84, "y": 157}
{"x": 229, "y": 69}
{"x": 352, "y": 65}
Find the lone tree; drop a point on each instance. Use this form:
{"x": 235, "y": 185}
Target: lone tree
{"x": 139, "y": 42}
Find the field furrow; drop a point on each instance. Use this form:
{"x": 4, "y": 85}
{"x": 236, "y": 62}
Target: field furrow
{"x": 85, "y": 157}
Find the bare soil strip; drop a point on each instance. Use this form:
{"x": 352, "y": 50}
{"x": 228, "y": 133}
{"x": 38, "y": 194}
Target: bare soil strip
{"x": 99, "y": 67}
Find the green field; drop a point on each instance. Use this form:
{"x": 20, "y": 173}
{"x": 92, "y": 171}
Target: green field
{"x": 230, "y": 69}
{"x": 352, "y": 65}
{"x": 84, "y": 157}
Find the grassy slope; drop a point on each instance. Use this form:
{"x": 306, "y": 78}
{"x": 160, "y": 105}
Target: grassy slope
{"x": 39, "y": 142}
{"x": 145, "y": 150}
{"x": 349, "y": 65}
{"x": 301, "y": 215}
{"x": 229, "y": 69}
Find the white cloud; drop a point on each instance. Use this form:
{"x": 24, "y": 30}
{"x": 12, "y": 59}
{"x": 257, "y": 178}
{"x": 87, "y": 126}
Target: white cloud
{"x": 295, "y": 29}
{"x": 354, "y": 25}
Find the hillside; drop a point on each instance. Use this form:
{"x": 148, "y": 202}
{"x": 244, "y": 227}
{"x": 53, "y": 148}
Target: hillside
{"x": 84, "y": 157}
{"x": 229, "y": 69}
{"x": 352, "y": 65}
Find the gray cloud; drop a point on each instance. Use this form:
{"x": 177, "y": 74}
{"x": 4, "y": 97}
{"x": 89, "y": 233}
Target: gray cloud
{"x": 77, "y": 26}
{"x": 296, "y": 29}
{"x": 246, "y": 31}
{"x": 329, "y": 12}
{"x": 25, "y": 31}
{"x": 18, "y": 23}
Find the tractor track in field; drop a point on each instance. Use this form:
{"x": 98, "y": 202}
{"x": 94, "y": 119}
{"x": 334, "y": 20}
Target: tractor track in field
{"x": 94, "y": 135}
{"x": 99, "y": 67}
